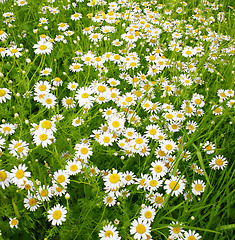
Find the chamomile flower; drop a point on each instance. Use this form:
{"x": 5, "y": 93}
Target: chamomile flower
{"x": 31, "y": 202}
{"x": 168, "y": 146}
{"x": 116, "y": 123}
{"x": 13, "y": 223}
{"x": 73, "y": 167}
{"x": 208, "y": 147}
{"x": 19, "y": 174}
{"x": 68, "y": 102}
{"x": 218, "y": 162}
{"x": 42, "y": 87}
{"x": 191, "y": 235}
{"x": 175, "y": 186}
{"x": 175, "y": 230}
{"x": 84, "y": 97}
{"x": 44, "y": 193}
{"x": 8, "y": 128}
{"x": 18, "y": 148}
{"x": 158, "y": 169}
{"x": 83, "y": 151}
{"x": 57, "y": 190}
{"x": 153, "y": 183}
{"x": 191, "y": 126}
{"x": 44, "y": 137}
{"x": 148, "y": 214}
{"x": 75, "y": 67}
{"x": 139, "y": 228}
{"x": 5, "y": 178}
{"x": 128, "y": 178}
{"x": 198, "y": 187}
{"x": 46, "y": 72}
{"x": 43, "y": 47}
{"x": 4, "y": 94}
{"x": 156, "y": 199}
{"x": 49, "y": 100}
{"x": 61, "y": 177}
{"x": 109, "y": 232}
{"x": 110, "y": 200}
{"x": 57, "y": 215}
{"x": 113, "y": 179}
{"x": 77, "y": 121}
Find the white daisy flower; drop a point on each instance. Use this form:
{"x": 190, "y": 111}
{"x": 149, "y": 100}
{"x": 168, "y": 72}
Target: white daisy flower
{"x": 57, "y": 215}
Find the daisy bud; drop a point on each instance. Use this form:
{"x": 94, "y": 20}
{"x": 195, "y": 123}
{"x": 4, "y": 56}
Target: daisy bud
{"x": 36, "y": 160}
{"x": 17, "y": 94}
{"x": 26, "y": 121}
{"x": 116, "y": 221}
{"x": 118, "y": 203}
{"x": 38, "y": 182}
{"x": 192, "y": 218}
{"x": 1, "y": 74}
{"x": 10, "y": 81}
{"x": 67, "y": 196}
{"x": 122, "y": 157}
{"x": 143, "y": 205}
{"x": 115, "y": 154}
{"x": 16, "y": 115}
{"x": 3, "y": 120}
{"x": 68, "y": 139}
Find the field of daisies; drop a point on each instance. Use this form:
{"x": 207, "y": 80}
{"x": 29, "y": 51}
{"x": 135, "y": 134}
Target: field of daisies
{"x": 117, "y": 119}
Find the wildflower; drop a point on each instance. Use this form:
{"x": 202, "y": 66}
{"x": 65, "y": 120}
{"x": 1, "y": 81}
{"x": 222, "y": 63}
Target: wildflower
{"x": 128, "y": 178}
{"x": 5, "y": 178}
{"x": 113, "y": 179}
{"x": 68, "y": 102}
{"x": 218, "y": 162}
{"x": 43, "y": 47}
{"x": 19, "y": 174}
{"x": 75, "y": 67}
{"x": 198, "y": 187}
{"x": 148, "y": 214}
{"x": 57, "y": 215}
{"x": 168, "y": 146}
{"x": 110, "y": 200}
{"x": 49, "y": 100}
{"x": 77, "y": 122}
{"x": 73, "y": 167}
{"x": 61, "y": 177}
{"x": 19, "y": 148}
{"x": 4, "y": 94}
{"x": 208, "y": 147}
{"x": 42, "y": 87}
{"x": 8, "y": 128}
{"x": 139, "y": 228}
{"x": 109, "y": 232}
{"x": 31, "y": 202}
{"x": 175, "y": 186}
{"x": 44, "y": 137}
{"x": 175, "y": 230}
{"x": 14, "y": 51}
{"x": 191, "y": 235}
{"x": 84, "y": 97}
{"x": 46, "y": 72}
{"x": 44, "y": 193}
{"x": 13, "y": 223}
{"x": 76, "y": 16}
{"x": 83, "y": 151}
{"x": 158, "y": 169}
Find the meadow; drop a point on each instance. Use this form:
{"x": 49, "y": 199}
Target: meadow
{"x": 117, "y": 120}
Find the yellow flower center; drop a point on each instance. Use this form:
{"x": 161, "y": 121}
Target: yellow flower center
{"x": 108, "y": 233}
{"x": 174, "y": 185}
{"x": 20, "y": 149}
{"x": 43, "y": 137}
{"x": 74, "y": 168}
{"x": 188, "y": 52}
{"x": 158, "y": 168}
{"x": 128, "y": 178}
{"x": 176, "y": 230}
{"x": 153, "y": 183}
{"x": 2, "y": 92}
{"x": 84, "y": 150}
{"x": 219, "y": 162}
{"x": 61, "y": 178}
{"x": 114, "y": 178}
{"x": 43, "y": 47}
{"x": 188, "y": 109}
{"x": 168, "y": 147}
{"x": 106, "y": 139}
{"x": 57, "y": 214}
{"x": 169, "y": 116}
{"x": 148, "y": 214}
{"x": 191, "y": 238}
{"x": 32, "y": 202}
{"x": 198, "y": 187}
{"x": 42, "y": 88}
{"x": 85, "y": 95}
{"x": 109, "y": 199}
{"x": 208, "y": 148}
{"x": 68, "y": 101}
{"x": 3, "y": 176}
{"x": 139, "y": 140}
{"x": 20, "y": 174}
{"x": 46, "y": 124}
{"x": 158, "y": 199}
{"x": 140, "y": 228}
{"x": 14, "y": 50}
{"x": 44, "y": 193}
{"x": 14, "y": 222}
{"x": 115, "y": 124}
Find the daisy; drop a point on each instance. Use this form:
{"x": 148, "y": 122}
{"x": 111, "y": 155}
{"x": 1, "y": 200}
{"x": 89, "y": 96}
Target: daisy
{"x": 49, "y": 100}
{"x": 8, "y": 128}
{"x": 191, "y": 235}
{"x": 208, "y": 147}
{"x": 43, "y": 47}
{"x": 113, "y": 179}
{"x": 31, "y": 202}
{"x": 46, "y": 72}
{"x": 148, "y": 214}
{"x": 191, "y": 126}
{"x": 57, "y": 117}
{"x": 18, "y": 148}
{"x": 110, "y": 200}
{"x": 106, "y": 139}
{"x": 73, "y": 167}
{"x": 175, "y": 186}
{"x": 61, "y": 177}
{"x": 77, "y": 121}
{"x": 57, "y": 81}
{"x": 218, "y": 162}
{"x": 153, "y": 183}
{"x": 63, "y": 26}
{"x": 198, "y": 187}
{"x": 48, "y": 125}
{"x": 116, "y": 123}
{"x": 13, "y": 223}
{"x": 57, "y": 215}
{"x": 217, "y": 110}
{"x": 76, "y": 16}
{"x": 128, "y": 178}
{"x": 72, "y": 86}
{"x": 84, "y": 97}
{"x": 21, "y": 3}
{"x": 57, "y": 190}
{"x": 158, "y": 169}
{"x": 44, "y": 137}
{"x": 42, "y": 87}
{"x": 175, "y": 230}
{"x": 156, "y": 199}
{"x": 168, "y": 146}
{"x": 188, "y": 51}
{"x": 14, "y": 51}
{"x": 109, "y": 232}
{"x": 3, "y": 35}
{"x": 75, "y": 67}
{"x": 44, "y": 193}
{"x": 5, "y": 178}
{"x": 19, "y": 174}
{"x": 68, "y": 102}
{"x": 142, "y": 181}
{"x": 84, "y": 151}
{"x": 4, "y": 95}
{"x": 139, "y": 228}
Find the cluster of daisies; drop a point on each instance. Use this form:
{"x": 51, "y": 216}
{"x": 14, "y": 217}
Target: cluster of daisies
{"x": 142, "y": 112}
